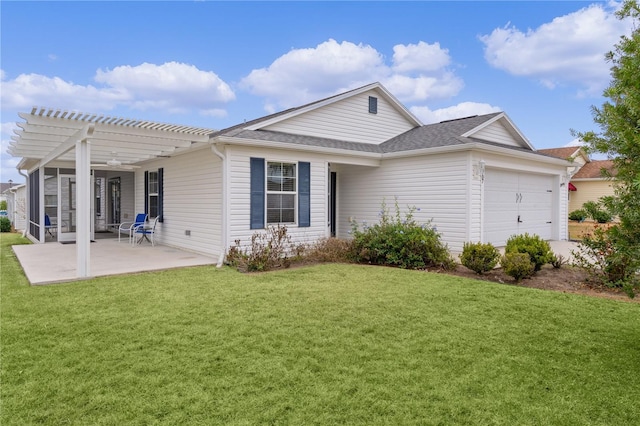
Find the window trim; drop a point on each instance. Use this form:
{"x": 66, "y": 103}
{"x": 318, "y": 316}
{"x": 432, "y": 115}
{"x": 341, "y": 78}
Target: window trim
{"x": 268, "y": 192}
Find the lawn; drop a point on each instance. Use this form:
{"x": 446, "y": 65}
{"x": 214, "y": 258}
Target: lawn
{"x": 329, "y": 344}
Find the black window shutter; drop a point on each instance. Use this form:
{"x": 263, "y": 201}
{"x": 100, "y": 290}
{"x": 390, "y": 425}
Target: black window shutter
{"x": 160, "y": 194}
{"x": 146, "y": 192}
{"x": 257, "y": 193}
{"x": 304, "y": 194}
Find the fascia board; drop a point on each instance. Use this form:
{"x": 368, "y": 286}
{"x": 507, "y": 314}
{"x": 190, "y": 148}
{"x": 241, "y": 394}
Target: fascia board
{"x": 478, "y": 147}
{"x": 291, "y": 147}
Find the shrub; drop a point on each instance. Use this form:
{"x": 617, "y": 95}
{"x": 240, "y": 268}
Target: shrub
{"x": 329, "y": 250}
{"x": 479, "y": 257}
{"x": 5, "y": 224}
{"x": 557, "y": 260}
{"x": 606, "y": 261}
{"x": 580, "y": 215}
{"x": 401, "y": 242}
{"x": 539, "y": 250}
{"x": 597, "y": 212}
{"x": 517, "y": 265}
{"x": 269, "y": 250}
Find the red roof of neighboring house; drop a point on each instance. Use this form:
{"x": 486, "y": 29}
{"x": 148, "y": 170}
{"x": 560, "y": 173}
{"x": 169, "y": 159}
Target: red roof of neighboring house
{"x": 593, "y": 170}
{"x": 564, "y": 153}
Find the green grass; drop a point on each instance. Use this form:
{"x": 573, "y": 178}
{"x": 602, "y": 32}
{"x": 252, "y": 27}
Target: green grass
{"x": 330, "y": 344}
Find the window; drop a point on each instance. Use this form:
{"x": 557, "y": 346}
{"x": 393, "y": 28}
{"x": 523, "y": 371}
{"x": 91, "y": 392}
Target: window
{"x": 276, "y": 197}
{"x": 373, "y": 105}
{"x": 281, "y": 192}
{"x": 153, "y": 193}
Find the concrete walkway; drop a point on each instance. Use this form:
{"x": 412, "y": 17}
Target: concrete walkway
{"x": 55, "y": 262}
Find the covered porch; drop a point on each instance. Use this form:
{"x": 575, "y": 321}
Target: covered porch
{"x": 82, "y": 169}
{"x": 56, "y": 262}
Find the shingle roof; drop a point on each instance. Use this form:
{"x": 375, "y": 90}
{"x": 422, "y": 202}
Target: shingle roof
{"x": 593, "y": 170}
{"x": 446, "y": 133}
{"x": 564, "y": 152}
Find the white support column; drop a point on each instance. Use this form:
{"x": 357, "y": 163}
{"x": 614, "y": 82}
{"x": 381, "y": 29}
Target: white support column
{"x": 83, "y": 208}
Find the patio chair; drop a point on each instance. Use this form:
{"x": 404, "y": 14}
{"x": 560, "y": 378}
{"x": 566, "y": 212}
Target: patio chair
{"x": 48, "y": 226}
{"x": 147, "y": 230}
{"x": 130, "y": 227}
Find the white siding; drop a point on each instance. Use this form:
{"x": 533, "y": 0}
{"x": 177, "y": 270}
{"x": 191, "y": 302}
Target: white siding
{"x": 17, "y": 207}
{"x": 239, "y": 196}
{"x": 497, "y": 132}
{"x": 436, "y": 184}
{"x": 192, "y": 201}
{"x": 349, "y": 120}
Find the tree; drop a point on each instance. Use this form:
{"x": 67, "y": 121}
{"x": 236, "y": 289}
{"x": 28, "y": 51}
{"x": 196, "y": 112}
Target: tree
{"x": 619, "y": 139}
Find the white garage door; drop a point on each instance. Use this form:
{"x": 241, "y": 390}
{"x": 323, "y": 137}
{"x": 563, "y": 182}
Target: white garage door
{"x": 515, "y": 203}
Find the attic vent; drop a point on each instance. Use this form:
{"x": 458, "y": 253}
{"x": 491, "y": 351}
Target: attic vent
{"x": 373, "y": 105}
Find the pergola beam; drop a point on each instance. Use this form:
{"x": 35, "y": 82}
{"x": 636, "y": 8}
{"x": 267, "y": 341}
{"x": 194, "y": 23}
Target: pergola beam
{"x": 68, "y": 145}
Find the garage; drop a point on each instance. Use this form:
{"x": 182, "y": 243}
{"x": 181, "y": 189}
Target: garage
{"x": 517, "y": 203}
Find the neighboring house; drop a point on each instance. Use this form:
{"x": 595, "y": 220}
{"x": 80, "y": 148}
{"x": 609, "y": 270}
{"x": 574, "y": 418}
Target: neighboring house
{"x": 316, "y": 169}
{"x": 587, "y": 180}
{"x": 590, "y": 184}
{"x": 16, "y": 206}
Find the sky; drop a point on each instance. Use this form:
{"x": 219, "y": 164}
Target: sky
{"x": 215, "y": 64}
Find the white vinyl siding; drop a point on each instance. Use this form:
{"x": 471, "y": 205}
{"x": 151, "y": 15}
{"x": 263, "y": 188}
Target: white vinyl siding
{"x": 349, "y": 120}
{"x": 436, "y": 184}
{"x": 192, "y": 201}
{"x": 497, "y": 132}
{"x": 239, "y": 193}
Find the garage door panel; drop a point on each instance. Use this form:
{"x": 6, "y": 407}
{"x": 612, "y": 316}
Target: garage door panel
{"x": 515, "y": 203}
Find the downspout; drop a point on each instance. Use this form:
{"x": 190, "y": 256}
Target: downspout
{"x": 223, "y": 236}
{"x": 26, "y": 203}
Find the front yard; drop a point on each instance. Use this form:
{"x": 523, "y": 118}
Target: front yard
{"x": 328, "y": 344}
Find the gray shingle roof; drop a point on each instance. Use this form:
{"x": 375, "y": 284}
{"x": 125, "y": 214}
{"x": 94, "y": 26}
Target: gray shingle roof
{"x": 446, "y": 133}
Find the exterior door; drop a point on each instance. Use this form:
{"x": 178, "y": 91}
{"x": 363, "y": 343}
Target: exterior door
{"x": 67, "y": 214}
{"x": 517, "y": 203}
{"x": 67, "y": 217}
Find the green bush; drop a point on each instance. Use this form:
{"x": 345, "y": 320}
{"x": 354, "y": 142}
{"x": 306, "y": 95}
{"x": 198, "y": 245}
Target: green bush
{"x": 597, "y": 212}
{"x": 3, "y": 204}
{"x": 539, "y": 250}
{"x": 479, "y": 257}
{"x": 580, "y": 215}
{"x": 517, "y": 265}
{"x": 5, "y": 224}
{"x": 400, "y": 242}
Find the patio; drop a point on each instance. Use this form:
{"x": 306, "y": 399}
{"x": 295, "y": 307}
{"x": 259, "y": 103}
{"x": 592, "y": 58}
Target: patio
{"x": 55, "y": 262}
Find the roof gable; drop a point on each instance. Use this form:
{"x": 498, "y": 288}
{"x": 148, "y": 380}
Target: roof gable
{"x": 500, "y": 129}
{"x": 347, "y": 117}
{"x": 593, "y": 170}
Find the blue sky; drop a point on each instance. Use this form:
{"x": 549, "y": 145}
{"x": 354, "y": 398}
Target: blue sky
{"x": 215, "y": 64}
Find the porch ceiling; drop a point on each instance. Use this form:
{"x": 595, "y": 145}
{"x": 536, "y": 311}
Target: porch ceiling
{"x": 45, "y": 130}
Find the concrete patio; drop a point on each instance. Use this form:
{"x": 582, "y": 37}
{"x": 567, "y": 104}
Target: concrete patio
{"x": 55, "y": 262}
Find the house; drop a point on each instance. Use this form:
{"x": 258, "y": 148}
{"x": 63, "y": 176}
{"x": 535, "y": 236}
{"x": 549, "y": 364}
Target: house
{"x": 587, "y": 180}
{"x": 15, "y": 196}
{"x": 315, "y": 168}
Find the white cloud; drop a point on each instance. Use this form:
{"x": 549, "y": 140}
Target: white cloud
{"x": 418, "y": 72}
{"x": 419, "y": 57}
{"x": 170, "y": 87}
{"x": 464, "y": 109}
{"x": 568, "y": 50}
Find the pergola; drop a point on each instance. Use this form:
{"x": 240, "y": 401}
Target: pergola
{"x": 83, "y": 139}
